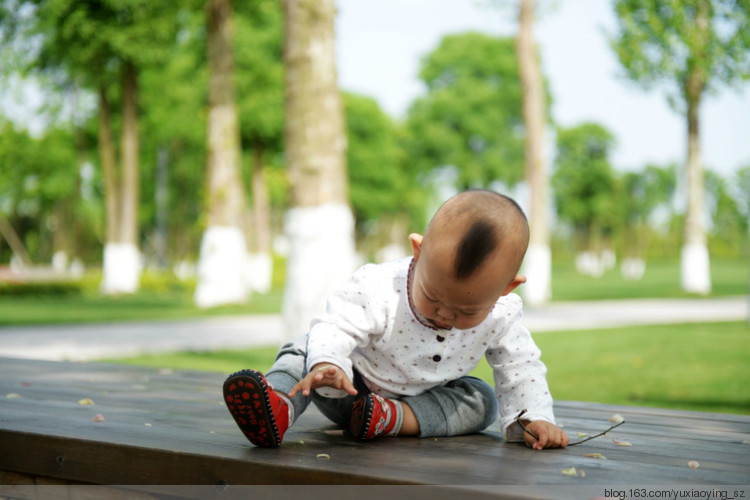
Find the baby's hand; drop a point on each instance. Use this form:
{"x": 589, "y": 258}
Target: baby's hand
{"x": 550, "y": 435}
{"x": 324, "y": 375}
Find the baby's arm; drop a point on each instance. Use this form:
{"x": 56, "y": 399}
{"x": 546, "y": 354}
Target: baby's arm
{"x": 550, "y": 435}
{"x": 324, "y": 375}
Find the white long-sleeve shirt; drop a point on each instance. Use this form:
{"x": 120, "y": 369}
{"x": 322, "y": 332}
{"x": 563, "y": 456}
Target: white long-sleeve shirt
{"x": 370, "y": 325}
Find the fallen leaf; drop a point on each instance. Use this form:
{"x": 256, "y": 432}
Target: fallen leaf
{"x": 616, "y": 419}
{"x": 325, "y": 456}
{"x": 13, "y": 395}
{"x": 693, "y": 464}
{"x": 581, "y": 434}
{"x": 581, "y": 473}
{"x": 621, "y": 443}
{"x": 595, "y": 455}
{"x": 147, "y": 424}
{"x": 570, "y": 471}
{"x": 99, "y": 418}
{"x": 86, "y": 402}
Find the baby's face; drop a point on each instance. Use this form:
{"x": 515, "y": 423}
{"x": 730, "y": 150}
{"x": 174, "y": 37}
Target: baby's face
{"x": 448, "y": 302}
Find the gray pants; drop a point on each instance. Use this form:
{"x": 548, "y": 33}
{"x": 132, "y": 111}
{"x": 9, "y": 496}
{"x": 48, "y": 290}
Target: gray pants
{"x": 463, "y": 406}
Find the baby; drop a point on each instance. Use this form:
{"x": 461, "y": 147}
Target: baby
{"x": 393, "y": 351}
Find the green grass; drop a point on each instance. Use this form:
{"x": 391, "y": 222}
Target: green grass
{"x": 661, "y": 279}
{"x": 703, "y": 367}
{"x": 163, "y": 298}
{"x": 87, "y": 307}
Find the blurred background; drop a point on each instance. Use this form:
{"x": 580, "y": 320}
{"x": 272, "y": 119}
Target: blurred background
{"x": 189, "y": 158}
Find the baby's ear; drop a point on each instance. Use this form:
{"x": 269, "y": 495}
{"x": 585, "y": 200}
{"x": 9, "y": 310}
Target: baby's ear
{"x": 416, "y": 244}
{"x": 519, "y": 280}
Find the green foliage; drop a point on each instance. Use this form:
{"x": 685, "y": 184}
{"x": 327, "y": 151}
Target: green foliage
{"x": 260, "y": 76}
{"x": 661, "y": 42}
{"x": 381, "y": 187}
{"x": 40, "y": 192}
{"x": 52, "y": 288}
{"x": 584, "y": 181}
{"x": 471, "y": 116}
{"x": 641, "y": 194}
{"x": 91, "y": 40}
{"x": 173, "y": 141}
{"x": 729, "y": 225}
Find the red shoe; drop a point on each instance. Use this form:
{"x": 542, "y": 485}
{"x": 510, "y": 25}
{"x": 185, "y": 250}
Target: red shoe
{"x": 374, "y": 416}
{"x": 260, "y": 413}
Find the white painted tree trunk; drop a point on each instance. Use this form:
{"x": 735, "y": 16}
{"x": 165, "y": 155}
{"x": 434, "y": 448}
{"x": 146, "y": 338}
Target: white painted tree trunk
{"x": 122, "y": 259}
{"x": 319, "y": 223}
{"x": 259, "y": 272}
{"x": 121, "y": 269}
{"x": 321, "y": 258}
{"x": 538, "y": 262}
{"x": 537, "y": 266}
{"x": 695, "y": 270}
{"x": 221, "y": 268}
{"x": 695, "y": 273}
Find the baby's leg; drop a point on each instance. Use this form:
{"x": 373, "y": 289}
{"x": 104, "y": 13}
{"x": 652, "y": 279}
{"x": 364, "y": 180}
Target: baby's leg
{"x": 464, "y": 406}
{"x": 260, "y": 405}
{"x": 288, "y": 369}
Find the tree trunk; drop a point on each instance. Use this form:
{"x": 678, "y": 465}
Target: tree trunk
{"x": 261, "y": 262}
{"x": 695, "y": 267}
{"x": 121, "y": 267}
{"x": 538, "y": 262}
{"x": 14, "y": 242}
{"x": 319, "y": 223}
{"x": 223, "y": 254}
{"x": 109, "y": 169}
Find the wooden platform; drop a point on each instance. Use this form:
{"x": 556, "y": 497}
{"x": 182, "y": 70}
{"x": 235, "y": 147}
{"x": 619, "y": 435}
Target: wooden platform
{"x": 165, "y": 428}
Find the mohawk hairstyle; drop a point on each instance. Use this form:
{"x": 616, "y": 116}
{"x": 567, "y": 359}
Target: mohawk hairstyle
{"x": 478, "y": 242}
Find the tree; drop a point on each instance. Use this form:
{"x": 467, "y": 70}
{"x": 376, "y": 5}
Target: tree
{"x": 260, "y": 91}
{"x": 538, "y": 260}
{"x": 642, "y": 193}
{"x": 584, "y": 185}
{"x": 101, "y": 45}
{"x": 471, "y": 117}
{"x": 693, "y": 45}
{"x": 319, "y": 222}
{"x": 39, "y": 193}
{"x": 221, "y": 269}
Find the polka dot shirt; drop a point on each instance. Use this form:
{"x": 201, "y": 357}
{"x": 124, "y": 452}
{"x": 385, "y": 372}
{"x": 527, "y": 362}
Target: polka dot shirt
{"x": 370, "y": 325}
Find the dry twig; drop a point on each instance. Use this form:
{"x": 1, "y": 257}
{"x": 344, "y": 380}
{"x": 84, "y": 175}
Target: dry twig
{"x": 526, "y": 430}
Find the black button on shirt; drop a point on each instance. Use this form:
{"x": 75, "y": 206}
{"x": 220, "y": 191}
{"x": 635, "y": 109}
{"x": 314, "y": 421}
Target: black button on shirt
{"x": 440, "y": 339}
{"x": 436, "y": 358}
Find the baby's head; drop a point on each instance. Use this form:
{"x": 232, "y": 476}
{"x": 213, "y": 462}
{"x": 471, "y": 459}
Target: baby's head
{"x": 468, "y": 258}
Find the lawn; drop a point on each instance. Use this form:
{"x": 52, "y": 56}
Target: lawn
{"x": 147, "y": 305}
{"x": 162, "y": 299}
{"x": 703, "y": 367}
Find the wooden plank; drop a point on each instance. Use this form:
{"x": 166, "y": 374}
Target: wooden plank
{"x": 173, "y": 428}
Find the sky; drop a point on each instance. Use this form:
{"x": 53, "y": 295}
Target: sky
{"x": 380, "y": 43}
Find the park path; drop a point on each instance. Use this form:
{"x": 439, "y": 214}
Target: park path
{"x": 94, "y": 341}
